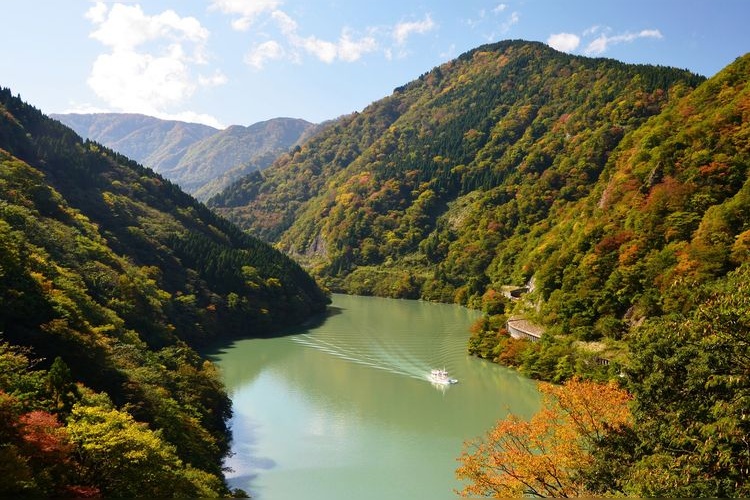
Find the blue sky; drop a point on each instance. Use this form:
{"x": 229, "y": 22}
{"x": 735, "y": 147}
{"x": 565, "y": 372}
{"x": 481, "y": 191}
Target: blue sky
{"x": 225, "y": 62}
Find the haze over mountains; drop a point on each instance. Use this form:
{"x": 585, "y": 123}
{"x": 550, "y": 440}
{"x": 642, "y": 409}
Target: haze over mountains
{"x": 200, "y": 159}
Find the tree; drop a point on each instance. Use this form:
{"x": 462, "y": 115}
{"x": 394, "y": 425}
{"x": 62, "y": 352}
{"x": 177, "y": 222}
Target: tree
{"x": 61, "y": 386}
{"x": 551, "y": 454}
{"x": 127, "y": 459}
{"x": 690, "y": 377}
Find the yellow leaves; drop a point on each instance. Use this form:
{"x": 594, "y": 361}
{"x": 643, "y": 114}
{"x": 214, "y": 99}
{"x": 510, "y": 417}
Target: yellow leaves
{"x": 273, "y": 283}
{"x": 109, "y": 199}
{"x": 544, "y": 455}
{"x": 344, "y": 199}
{"x": 45, "y": 284}
{"x": 741, "y": 248}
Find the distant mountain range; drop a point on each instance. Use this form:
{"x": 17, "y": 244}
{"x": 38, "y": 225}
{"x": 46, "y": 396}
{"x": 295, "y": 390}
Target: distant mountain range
{"x": 200, "y": 159}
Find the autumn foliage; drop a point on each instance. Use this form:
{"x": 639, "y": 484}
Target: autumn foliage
{"x": 548, "y": 455}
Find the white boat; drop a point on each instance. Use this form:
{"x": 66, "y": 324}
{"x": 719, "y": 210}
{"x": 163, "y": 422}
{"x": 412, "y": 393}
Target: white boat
{"x": 440, "y": 376}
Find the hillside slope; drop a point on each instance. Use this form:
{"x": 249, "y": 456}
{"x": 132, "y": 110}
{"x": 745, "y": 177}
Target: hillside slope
{"x": 109, "y": 274}
{"x": 668, "y": 213}
{"x": 211, "y": 164}
{"x": 618, "y": 194}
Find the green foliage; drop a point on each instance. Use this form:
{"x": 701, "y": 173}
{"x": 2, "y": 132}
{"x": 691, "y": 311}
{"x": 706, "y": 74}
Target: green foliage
{"x": 691, "y": 380}
{"x": 614, "y": 187}
{"x": 61, "y": 386}
{"x": 689, "y": 375}
{"x": 126, "y": 459}
{"x": 489, "y": 337}
{"x": 84, "y": 206}
{"x": 110, "y": 276}
{"x": 460, "y": 177}
{"x": 87, "y": 448}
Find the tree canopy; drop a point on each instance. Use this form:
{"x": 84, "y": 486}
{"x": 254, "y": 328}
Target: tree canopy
{"x": 676, "y": 425}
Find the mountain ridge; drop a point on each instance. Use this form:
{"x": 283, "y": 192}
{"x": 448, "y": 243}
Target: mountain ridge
{"x": 526, "y": 128}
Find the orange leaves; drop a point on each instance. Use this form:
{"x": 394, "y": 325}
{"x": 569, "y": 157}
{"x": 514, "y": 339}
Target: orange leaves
{"x": 592, "y": 408}
{"x": 545, "y": 456}
{"x": 521, "y": 457}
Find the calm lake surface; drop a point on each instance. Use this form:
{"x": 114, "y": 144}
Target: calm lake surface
{"x": 342, "y": 408}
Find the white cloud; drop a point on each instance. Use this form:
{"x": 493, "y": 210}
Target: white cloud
{"x": 289, "y": 44}
{"x": 600, "y": 44}
{"x": 266, "y": 51}
{"x": 139, "y": 82}
{"x": 215, "y": 80}
{"x": 149, "y": 66}
{"x": 568, "y": 42}
{"x": 564, "y": 42}
{"x": 246, "y": 10}
{"x": 126, "y": 26}
{"x": 593, "y": 30}
{"x": 499, "y": 8}
{"x": 192, "y": 117}
{"x": 323, "y": 50}
{"x": 83, "y": 108}
{"x": 347, "y": 48}
{"x": 351, "y": 50}
{"x": 510, "y": 22}
{"x": 287, "y": 25}
{"x": 402, "y": 31}
{"x": 97, "y": 13}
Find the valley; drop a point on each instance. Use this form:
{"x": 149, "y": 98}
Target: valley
{"x": 615, "y": 195}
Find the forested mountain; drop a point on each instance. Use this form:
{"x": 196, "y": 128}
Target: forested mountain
{"x": 202, "y": 160}
{"x": 666, "y": 217}
{"x": 607, "y": 187}
{"x": 444, "y": 189}
{"x": 109, "y": 274}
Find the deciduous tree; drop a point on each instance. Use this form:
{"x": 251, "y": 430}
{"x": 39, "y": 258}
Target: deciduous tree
{"x": 550, "y": 454}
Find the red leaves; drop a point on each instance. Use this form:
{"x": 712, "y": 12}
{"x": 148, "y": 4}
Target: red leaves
{"x": 612, "y": 242}
{"x": 45, "y": 436}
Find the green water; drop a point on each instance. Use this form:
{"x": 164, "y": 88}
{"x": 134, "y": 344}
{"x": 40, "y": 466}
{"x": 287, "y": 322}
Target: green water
{"x": 343, "y": 409}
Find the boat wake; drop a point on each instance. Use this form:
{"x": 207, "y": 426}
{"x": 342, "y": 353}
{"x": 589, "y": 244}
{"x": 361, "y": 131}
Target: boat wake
{"x": 400, "y": 363}
{"x": 410, "y": 340}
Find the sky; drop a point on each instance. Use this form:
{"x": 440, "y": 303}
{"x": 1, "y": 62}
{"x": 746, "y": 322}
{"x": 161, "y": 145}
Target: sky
{"x": 227, "y": 62}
